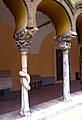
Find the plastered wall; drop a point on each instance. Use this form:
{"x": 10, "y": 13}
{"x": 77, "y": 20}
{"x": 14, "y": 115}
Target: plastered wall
{"x": 41, "y": 63}
{"x": 9, "y": 54}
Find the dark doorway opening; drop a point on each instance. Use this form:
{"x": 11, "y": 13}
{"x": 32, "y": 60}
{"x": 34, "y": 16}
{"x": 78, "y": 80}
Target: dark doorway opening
{"x": 59, "y": 64}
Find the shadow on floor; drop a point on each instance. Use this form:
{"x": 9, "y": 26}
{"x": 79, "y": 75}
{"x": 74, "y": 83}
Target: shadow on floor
{"x": 36, "y": 96}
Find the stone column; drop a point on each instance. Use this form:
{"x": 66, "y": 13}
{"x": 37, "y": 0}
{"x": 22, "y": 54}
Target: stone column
{"x": 25, "y": 110}
{"x": 23, "y": 42}
{"x": 65, "y": 45}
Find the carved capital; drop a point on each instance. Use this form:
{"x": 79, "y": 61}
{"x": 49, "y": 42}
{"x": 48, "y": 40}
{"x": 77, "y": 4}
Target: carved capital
{"x": 23, "y": 38}
{"x": 65, "y": 42}
{"x": 65, "y": 46}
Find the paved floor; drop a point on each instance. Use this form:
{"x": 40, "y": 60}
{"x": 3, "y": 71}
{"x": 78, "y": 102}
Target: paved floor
{"x": 37, "y": 96}
{"x": 52, "y": 110}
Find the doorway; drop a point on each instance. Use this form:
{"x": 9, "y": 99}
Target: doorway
{"x": 59, "y": 64}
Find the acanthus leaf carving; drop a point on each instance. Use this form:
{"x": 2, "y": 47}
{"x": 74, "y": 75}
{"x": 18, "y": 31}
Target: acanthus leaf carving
{"x": 23, "y": 38}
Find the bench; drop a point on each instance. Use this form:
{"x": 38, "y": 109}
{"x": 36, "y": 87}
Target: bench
{"x": 36, "y": 81}
{"x": 50, "y": 80}
{"x": 5, "y": 82}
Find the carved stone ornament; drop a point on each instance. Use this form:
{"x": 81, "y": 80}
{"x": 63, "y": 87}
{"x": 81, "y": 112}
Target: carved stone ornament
{"x": 65, "y": 43}
{"x": 23, "y": 38}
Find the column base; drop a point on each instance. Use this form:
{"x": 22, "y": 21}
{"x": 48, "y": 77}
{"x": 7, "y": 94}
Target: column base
{"x": 24, "y": 113}
{"x": 66, "y": 98}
